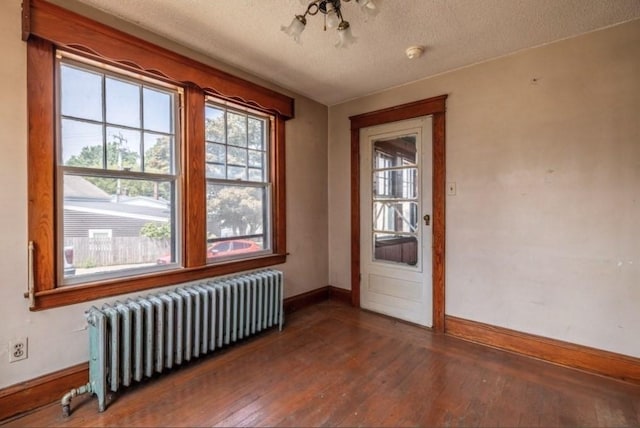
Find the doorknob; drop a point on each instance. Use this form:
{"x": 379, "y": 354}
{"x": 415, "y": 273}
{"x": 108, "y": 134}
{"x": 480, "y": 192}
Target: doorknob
{"x": 427, "y": 219}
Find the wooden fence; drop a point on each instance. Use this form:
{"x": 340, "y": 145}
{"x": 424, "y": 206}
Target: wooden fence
{"x": 92, "y": 252}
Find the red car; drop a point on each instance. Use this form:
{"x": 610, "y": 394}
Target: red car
{"x": 222, "y": 249}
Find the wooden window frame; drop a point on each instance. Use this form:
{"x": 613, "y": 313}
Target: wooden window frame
{"x": 46, "y": 28}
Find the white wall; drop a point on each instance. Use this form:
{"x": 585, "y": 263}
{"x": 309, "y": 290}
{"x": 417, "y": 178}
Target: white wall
{"x": 57, "y": 337}
{"x": 543, "y": 235}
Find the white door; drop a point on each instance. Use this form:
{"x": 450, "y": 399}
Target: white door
{"x": 395, "y": 207}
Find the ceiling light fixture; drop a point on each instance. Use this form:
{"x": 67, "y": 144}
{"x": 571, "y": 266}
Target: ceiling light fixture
{"x": 332, "y": 11}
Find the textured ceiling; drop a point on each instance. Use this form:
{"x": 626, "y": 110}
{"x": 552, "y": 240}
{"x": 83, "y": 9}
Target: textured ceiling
{"x": 456, "y": 33}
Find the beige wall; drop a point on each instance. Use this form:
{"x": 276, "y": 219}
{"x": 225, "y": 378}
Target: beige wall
{"x": 543, "y": 235}
{"x": 57, "y": 337}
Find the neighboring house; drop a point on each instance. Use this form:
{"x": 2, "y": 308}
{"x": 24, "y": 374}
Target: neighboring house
{"x": 106, "y": 230}
{"x": 90, "y": 212}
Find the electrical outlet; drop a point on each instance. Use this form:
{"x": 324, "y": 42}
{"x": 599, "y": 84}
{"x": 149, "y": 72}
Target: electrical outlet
{"x": 18, "y": 350}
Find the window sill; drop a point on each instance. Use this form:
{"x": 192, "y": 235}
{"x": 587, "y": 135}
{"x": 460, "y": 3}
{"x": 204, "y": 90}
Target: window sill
{"x": 73, "y": 294}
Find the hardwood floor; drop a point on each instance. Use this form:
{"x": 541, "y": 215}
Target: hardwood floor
{"x": 334, "y": 365}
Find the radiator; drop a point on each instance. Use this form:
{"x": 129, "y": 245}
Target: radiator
{"x": 136, "y": 339}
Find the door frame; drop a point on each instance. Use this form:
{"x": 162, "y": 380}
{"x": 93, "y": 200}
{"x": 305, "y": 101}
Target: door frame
{"x": 435, "y": 107}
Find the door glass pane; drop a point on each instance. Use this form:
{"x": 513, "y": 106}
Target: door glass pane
{"x": 394, "y": 188}
{"x": 396, "y": 151}
{"x": 396, "y": 248}
{"x": 395, "y": 183}
{"x": 395, "y": 216}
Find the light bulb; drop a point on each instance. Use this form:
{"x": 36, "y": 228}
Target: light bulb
{"x": 296, "y": 27}
{"x": 344, "y": 34}
{"x": 369, "y": 7}
{"x": 332, "y": 20}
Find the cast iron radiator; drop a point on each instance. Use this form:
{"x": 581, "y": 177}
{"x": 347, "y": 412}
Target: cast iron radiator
{"x": 136, "y": 339}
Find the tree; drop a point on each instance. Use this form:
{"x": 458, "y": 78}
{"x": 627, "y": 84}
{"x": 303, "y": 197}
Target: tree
{"x": 93, "y": 157}
{"x": 241, "y": 131}
{"x": 159, "y": 231}
{"x": 120, "y": 157}
{"x": 157, "y": 158}
{"x": 237, "y": 208}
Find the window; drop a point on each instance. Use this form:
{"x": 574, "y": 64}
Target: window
{"x": 238, "y": 188}
{"x": 117, "y": 145}
{"x": 100, "y": 233}
{"x": 146, "y": 168}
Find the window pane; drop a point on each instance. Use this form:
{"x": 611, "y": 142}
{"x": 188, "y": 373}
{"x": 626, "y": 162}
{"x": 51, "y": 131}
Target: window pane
{"x": 214, "y": 125}
{"x": 157, "y": 110}
{"x": 81, "y": 93}
{"x": 236, "y": 129}
{"x": 233, "y": 248}
{"x": 158, "y": 153}
{"x": 236, "y": 173}
{"x": 256, "y": 159}
{"x": 236, "y": 156}
{"x": 396, "y": 248}
{"x": 256, "y": 175}
{"x": 395, "y": 216}
{"x": 256, "y": 133}
{"x": 216, "y": 153}
{"x": 123, "y": 102}
{"x": 398, "y": 151}
{"x": 123, "y": 149}
{"x": 135, "y": 219}
{"x": 236, "y": 213}
{"x": 399, "y": 183}
{"x": 216, "y": 171}
{"x": 81, "y": 144}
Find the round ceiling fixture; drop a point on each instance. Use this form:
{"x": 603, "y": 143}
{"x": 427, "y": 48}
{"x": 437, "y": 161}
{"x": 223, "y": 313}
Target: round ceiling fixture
{"x": 414, "y": 52}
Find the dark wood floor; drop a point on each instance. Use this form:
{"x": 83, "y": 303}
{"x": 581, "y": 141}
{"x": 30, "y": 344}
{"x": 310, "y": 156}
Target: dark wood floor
{"x": 333, "y": 365}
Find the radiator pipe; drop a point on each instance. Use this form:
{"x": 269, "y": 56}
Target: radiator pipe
{"x": 66, "y": 399}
